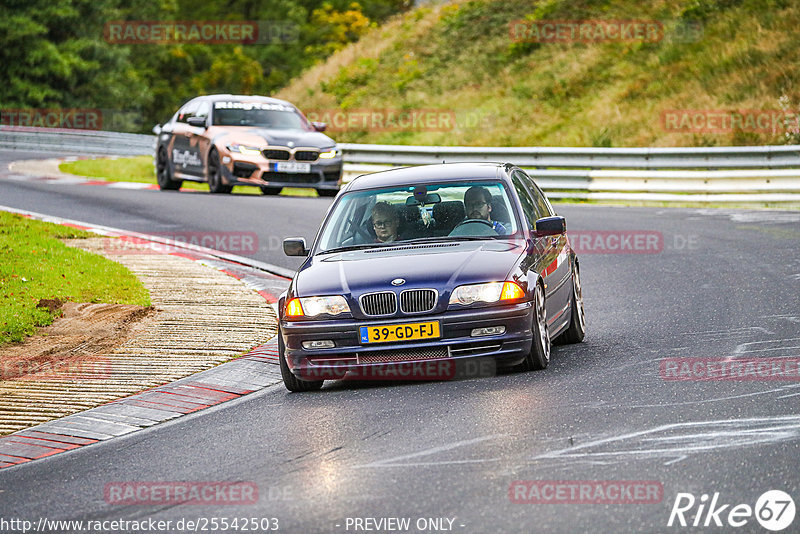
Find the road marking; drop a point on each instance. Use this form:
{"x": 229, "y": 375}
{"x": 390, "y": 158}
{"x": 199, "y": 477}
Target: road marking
{"x": 393, "y": 462}
{"x": 679, "y": 440}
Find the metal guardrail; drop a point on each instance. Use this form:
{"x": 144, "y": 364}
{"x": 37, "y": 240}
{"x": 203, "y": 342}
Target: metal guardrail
{"x": 76, "y": 141}
{"x": 705, "y": 174}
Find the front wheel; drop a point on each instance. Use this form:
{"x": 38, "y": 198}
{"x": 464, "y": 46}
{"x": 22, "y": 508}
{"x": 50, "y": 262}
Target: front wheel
{"x": 215, "y": 184}
{"x": 539, "y": 356}
{"x": 164, "y": 173}
{"x": 291, "y": 382}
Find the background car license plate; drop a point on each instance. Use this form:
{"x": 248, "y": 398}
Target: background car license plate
{"x": 399, "y": 332}
{"x": 292, "y": 166}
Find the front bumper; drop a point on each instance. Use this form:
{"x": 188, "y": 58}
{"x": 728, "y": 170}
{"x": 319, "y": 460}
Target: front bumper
{"x": 258, "y": 171}
{"x": 454, "y": 344}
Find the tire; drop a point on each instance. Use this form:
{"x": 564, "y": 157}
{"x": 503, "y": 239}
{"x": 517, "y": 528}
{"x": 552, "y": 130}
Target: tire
{"x": 577, "y": 325}
{"x": 291, "y": 382}
{"x": 327, "y": 192}
{"x": 270, "y": 190}
{"x": 164, "y": 173}
{"x": 215, "y": 184}
{"x": 539, "y": 356}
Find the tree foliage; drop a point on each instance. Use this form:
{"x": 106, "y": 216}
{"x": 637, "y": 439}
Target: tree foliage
{"x": 54, "y": 53}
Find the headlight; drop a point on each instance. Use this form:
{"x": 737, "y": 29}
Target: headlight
{"x": 489, "y": 292}
{"x": 330, "y": 154}
{"x": 313, "y": 306}
{"x": 243, "y": 149}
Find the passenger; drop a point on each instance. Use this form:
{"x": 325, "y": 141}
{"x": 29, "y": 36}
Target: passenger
{"x": 478, "y": 205}
{"x": 385, "y": 221}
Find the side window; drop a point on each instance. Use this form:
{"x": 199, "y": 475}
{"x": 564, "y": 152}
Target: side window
{"x": 187, "y": 111}
{"x": 203, "y": 109}
{"x": 528, "y": 206}
{"x": 542, "y": 205}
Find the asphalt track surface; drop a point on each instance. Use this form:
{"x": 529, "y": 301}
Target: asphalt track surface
{"x": 723, "y": 284}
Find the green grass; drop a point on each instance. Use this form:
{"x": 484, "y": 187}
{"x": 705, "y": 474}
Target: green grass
{"x": 140, "y": 169}
{"x": 460, "y": 57}
{"x": 35, "y": 265}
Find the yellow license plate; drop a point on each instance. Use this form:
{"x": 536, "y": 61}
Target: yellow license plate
{"x": 399, "y": 332}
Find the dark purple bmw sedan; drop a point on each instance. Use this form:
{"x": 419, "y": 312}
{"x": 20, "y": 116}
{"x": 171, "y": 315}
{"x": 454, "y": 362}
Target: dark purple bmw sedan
{"x": 419, "y": 269}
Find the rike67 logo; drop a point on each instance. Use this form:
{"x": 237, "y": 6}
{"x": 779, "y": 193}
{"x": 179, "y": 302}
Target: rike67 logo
{"x": 774, "y": 510}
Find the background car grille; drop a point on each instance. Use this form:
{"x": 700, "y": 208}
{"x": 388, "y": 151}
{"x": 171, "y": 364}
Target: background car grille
{"x": 276, "y": 153}
{"x": 417, "y": 300}
{"x": 306, "y": 155}
{"x": 403, "y": 355}
{"x": 290, "y": 177}
{"x": 379, "y": 303}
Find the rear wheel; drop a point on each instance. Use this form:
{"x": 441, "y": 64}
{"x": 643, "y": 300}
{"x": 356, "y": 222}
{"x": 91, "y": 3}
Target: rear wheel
{"x": 577, "y": 326}
{"x": 215, "y": 184}
{"x": 327, "y": 192}
{"x": 291, "y": 382}
{"x": 539, "y": 356}
{"x": 164, "y": 173}
{"x": 270, "y": 190}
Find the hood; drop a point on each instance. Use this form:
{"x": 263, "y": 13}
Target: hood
{"x": 440, "y": 266}
{"x": 274, "y": 137}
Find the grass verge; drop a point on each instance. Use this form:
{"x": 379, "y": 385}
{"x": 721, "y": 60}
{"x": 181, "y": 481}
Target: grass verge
{"x": 140, "y": 169}
{"x": 36, "y": 265}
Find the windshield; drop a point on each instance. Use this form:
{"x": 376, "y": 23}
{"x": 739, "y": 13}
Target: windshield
{"x": 451, "y": 211}
{"x": 259, "y": 114}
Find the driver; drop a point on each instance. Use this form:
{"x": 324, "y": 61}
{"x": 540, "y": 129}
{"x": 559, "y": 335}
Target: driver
{"x": 385, "y": 221}
{"x": 478, "y": 205}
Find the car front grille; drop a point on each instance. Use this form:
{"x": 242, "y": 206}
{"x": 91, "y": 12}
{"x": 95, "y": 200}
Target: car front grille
{"x": 376, "y": 304}
{"x": 276, "y": 154}
{"x": 306, "y": 155}
{"x": 418, "y": 300}
{"x": 406, "y": 355}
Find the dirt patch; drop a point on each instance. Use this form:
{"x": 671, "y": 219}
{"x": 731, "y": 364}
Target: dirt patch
{"x": 81, "y": 336}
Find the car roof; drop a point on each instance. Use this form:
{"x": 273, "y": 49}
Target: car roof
{"x": 442, "y": 172}
{"x": 244, "y": 98}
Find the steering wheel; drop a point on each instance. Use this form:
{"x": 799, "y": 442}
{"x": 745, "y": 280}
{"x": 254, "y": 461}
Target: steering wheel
{"x": 476, "y": 221}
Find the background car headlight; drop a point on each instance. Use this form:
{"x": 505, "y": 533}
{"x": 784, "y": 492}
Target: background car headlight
{"x": 313, "y": 306}
{"x": 243, "y": 149}
{"x": 330, "y": 154}
{"x": 489, "y": 292}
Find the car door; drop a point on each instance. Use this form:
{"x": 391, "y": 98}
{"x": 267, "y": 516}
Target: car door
{"x": 186, "y": 160}
{"x": 198, "y": 141}
{"x": 549, "y": 252}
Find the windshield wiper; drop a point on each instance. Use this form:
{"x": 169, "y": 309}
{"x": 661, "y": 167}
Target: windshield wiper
{"x": 350, "y": 247}
{"x": 446, "y": 238}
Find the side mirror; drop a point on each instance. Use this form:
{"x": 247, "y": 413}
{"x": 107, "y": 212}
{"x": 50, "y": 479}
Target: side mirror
{"x": 319, "y": 126}
{"x": 295, "y": 246}
{"x": 199, "y": 122}
{"x": 157, "y": 129}
{"x": 550, "y": 226}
